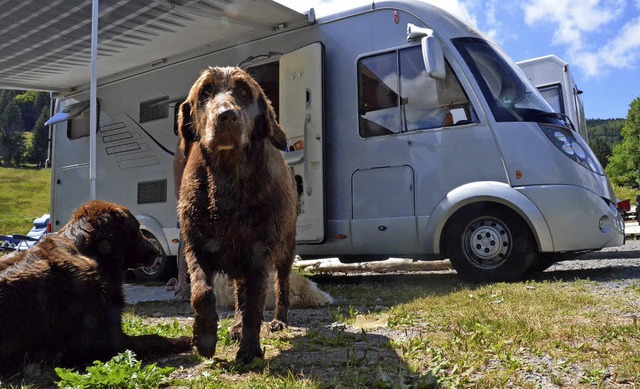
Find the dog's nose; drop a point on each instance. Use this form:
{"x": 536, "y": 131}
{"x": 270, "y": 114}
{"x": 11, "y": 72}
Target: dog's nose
{"x": 228, "y": 116}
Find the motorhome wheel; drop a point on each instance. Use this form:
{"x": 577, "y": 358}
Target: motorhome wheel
{"x": 161, "y": 270}
{"x": 489, "y": 243}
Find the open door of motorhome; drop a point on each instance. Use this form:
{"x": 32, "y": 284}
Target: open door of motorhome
{"x": 301, "y": 114}
{"x": 70, "y": 168}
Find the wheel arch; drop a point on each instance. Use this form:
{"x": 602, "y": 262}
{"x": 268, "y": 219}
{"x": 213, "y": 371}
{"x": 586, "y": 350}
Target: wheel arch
{"x": 150, "y": 225}
{"x": 473, "y": 194}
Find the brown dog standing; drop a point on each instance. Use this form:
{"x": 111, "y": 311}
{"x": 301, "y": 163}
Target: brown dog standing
{"x": 62, "y": 300}
{"x": 238, "y": 204}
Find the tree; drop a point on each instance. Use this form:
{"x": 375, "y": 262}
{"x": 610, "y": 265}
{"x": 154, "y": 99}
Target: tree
{"x": 5, "y": 97}
{"x": 624, "y": 163}
{"x": 11, "y": 135}
{"x": 42, "y": 100}
{"x": 602, "y": 150}
{"x": 26, "y": 103}
{"x": 40, "y": 141}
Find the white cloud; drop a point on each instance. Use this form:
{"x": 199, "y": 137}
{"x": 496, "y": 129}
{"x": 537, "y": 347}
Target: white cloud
{"x": 572, "y": 18}
{"x": 624, "y": 50}
{"x": 581, "y": 26}
{"x": 459, "y": 8}
{"x": 322, "y": 7}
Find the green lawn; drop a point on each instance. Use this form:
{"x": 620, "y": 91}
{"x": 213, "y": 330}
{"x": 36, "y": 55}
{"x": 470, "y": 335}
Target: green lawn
{"x": 624, "y": 193}
{"x": 24, "y": 196}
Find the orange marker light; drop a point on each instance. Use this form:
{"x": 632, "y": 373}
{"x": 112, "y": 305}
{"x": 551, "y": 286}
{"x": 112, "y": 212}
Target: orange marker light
{"x": 518, "y": 174}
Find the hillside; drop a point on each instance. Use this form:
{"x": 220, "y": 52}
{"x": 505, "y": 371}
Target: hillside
{"x": 606, "y": 129}
{"x": 603, "y": 135}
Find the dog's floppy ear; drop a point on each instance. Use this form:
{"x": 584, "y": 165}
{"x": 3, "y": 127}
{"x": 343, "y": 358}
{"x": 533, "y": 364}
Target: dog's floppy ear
{"x": 268, "y": 126}
{"x": 80, "y": 231}
{"x": 186, "y": 129}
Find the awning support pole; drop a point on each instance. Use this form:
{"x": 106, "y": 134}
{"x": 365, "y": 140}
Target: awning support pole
{"x": 93, "y": 111}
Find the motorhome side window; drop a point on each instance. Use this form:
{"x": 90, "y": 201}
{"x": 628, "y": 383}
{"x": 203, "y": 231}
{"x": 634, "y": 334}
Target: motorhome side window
{"x": 396, "y": 95}
{"x": 77, "y": 118}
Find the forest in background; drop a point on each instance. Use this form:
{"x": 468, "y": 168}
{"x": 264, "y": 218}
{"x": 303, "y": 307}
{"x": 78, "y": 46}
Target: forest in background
{"x": 604, "y": 134}
{"x": 23, "y": 135}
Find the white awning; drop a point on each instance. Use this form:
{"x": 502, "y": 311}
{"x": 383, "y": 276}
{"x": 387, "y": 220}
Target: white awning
{"x": 45, "y": 45}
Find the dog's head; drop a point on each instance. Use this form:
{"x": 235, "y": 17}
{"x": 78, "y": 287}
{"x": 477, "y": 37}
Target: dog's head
{"x": 110, "y": 234}
{"x": 227, "y": 110}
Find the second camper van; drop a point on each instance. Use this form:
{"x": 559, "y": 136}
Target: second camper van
{"x": 411, "y": 134}
{"x": 554, "y": 79}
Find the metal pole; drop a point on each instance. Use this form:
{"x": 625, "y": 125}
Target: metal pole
{"x": 93, "y": 111}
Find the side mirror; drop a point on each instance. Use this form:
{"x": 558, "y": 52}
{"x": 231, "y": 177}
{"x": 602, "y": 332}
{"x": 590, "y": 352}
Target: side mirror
{"x": 433, "y": 57}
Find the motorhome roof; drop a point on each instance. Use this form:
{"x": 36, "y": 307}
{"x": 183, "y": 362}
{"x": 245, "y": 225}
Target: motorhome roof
{"x": 445, "y": 24}
{"x": 47, "y": 46}
{"x": 546, "y": 58}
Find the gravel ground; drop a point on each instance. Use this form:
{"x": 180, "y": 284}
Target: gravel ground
{"x": 614, "y": 263}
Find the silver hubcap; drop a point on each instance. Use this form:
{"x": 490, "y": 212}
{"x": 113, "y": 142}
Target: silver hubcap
{"x": 488, "y": 242}
{"x": 156, "y": 264}
{"x": 153, "y": 268}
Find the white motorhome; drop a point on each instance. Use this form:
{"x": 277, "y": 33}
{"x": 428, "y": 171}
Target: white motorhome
{"x": 411, "y": 134}
{"x": 554, "y": 79}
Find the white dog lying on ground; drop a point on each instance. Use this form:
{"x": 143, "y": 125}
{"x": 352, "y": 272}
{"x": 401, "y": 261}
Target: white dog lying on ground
{"x": 303, "y": 293}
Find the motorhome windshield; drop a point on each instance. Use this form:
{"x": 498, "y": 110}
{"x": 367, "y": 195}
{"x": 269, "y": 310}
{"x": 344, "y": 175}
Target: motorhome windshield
{"x": 509, "y": 94}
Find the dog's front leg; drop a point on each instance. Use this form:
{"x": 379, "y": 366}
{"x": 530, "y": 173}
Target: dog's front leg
{"x": 203, "y": 301}
{"x": 282, "y": 298}
{"x": 253, "y": 289}
{"x": 236, "y": 330}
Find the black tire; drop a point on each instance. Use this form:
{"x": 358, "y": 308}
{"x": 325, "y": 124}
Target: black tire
{"x": 162, "y": 269}
{"x": 489, "y": 244}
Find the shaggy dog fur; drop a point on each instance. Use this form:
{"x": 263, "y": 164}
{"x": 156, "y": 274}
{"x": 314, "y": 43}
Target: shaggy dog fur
{"x": 237, "y": 206}
{"x": 303, "y": 293}
{"x": 62, "y": 300}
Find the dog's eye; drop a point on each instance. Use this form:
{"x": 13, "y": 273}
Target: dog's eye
{"x": 207, "y": 92}
{"x": 243, "y": 92}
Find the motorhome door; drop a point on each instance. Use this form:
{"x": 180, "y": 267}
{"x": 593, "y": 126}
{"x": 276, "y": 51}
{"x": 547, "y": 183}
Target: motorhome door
{"x": 301, "y": 117}
{"x": 70, "y": 160}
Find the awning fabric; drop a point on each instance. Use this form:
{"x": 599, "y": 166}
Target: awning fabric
{"x": 45, "y": 45}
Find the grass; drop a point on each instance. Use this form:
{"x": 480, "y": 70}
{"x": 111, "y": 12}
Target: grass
{"x": 624, "y": 193}
{"x": 122, "y": 371}
{"x": 24, "y": 195}
{"x": 436, "y": 333}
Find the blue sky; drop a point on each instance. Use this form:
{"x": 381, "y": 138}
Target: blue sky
{"x": 600, "y": 39}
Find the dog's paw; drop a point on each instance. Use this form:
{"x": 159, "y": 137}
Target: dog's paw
{"x": 206, "y": 344}
{"x": 248, "y": 354}
{"x": 235, "y": 332}
{"x": 277, "y": 325}
{"x": 180, "y": 344}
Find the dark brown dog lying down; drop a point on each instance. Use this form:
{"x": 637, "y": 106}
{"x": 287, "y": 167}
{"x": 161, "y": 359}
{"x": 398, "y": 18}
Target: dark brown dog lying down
{"x": 62, "y": 300}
